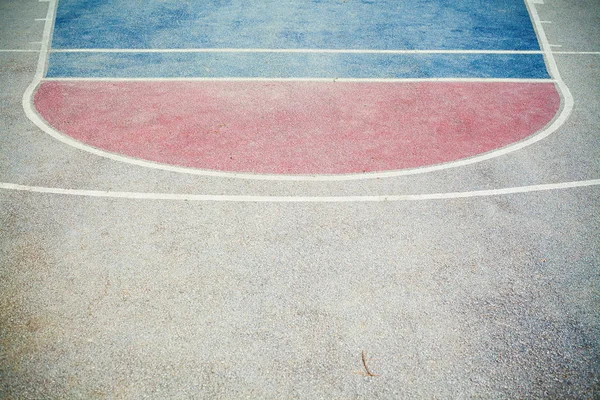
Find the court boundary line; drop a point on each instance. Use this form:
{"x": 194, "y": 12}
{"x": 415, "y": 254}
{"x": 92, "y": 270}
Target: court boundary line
{"x": 298, "y": 199}
{"x": 415, "y": 51}
{"x": 567, "y": 103}
{"x": 19, "y": 50}
{"x": 309, "y": 51}
{"x": 578, "y": 52}
{"x": 259, "y": 79}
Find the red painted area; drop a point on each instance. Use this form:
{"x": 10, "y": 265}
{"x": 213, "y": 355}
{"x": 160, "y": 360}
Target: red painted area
{"x": 297, "y": 127}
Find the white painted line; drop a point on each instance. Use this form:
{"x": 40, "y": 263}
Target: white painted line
{"x": 567, "y": 106}
{"x": 41, "y": 19}
{"x": 386, "y": 80}
{"x": 577, "y": 52}
{"x": 333, "y": 51}
{"x": 538, "y": 1}
{"x": 41, "y": 66}
{"x": 545, "y": 22}
{"x": 19, "y": 51}
{"x": 298, "y": 199}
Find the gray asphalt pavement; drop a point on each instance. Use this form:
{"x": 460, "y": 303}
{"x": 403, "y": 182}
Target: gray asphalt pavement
{"x": 494, "y": 296}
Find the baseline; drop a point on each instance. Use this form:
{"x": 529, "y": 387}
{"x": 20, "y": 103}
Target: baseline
{"x": 298, "y": 199}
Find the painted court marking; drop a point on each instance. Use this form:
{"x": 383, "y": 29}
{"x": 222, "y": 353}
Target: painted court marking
{"x": 292, "y": 50}
{"x": 19, "y": 51}
{"x": 32, "y": 114}
{"x": 364, "y": 80}
{"x": 578, "y": 52}
{"x": 299, "y": 199}
{"x": 334, "y": 51}
{"x": 567, "y": 104}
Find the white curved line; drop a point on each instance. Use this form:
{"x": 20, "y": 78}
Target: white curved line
{"x": 297, "y": 199}
{"x": 566, "y": 109}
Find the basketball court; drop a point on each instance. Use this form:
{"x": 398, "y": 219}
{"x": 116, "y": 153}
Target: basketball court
{"x": 326, "y": 199}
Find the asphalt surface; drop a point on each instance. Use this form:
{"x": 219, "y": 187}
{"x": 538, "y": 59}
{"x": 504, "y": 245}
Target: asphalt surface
{"x": 494, "y": 296}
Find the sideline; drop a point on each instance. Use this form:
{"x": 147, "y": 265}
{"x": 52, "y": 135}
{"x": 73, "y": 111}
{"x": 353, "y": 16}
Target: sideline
{"x": 298, "y": 199}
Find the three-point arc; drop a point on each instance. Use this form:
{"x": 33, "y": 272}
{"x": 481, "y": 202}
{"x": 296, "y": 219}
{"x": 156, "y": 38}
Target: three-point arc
{"x": 296, "y": 88}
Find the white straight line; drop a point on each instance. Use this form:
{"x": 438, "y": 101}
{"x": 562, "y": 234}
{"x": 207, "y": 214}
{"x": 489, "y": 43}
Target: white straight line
{"x": 556, "y": 45}
{"x": 41, "y": 19}
{"x": 576, "y": 52}
{"x": 554, "y": 72}
{"x": 41, "y": 66}
{"x": 45, "y": 46}
{"x": 334, "y": 51}
{"x": 298, "y": 199}
{"x": 233, "y": 79}
{"x": 19, "y": 51}
{"x": 545, "y": 22}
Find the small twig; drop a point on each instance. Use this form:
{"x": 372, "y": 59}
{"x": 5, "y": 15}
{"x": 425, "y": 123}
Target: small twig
{"x": 364, "y": 359}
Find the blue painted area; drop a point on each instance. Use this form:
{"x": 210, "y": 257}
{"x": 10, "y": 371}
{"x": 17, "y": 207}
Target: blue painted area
{"x": 296, "y": 65}
{"x": 295, "y": 24}
{"x": 321, "y": 24}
